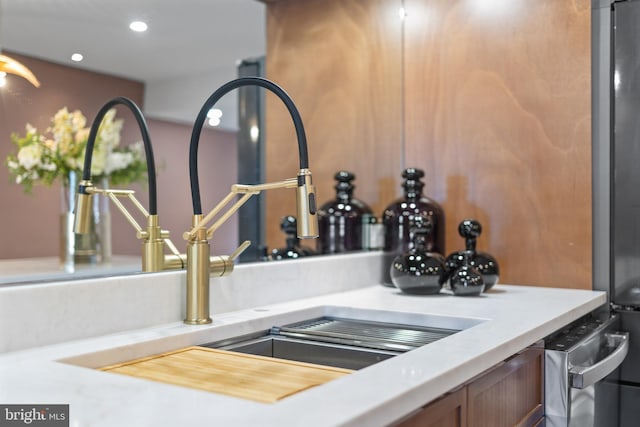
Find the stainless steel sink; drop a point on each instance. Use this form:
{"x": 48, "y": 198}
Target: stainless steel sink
{"x": 337, "y": 355}
{"x": 339, "y": 336}
{"x": 344, "y": 343}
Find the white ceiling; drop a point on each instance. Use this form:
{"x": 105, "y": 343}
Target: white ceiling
{"x": 190, "y": 48}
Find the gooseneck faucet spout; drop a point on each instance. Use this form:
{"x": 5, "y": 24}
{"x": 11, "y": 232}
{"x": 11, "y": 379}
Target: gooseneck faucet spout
{"x": 146, "y": 140}
{"x": 198, "y": 264}
{"x": 308, "y": 203}
{"x": 154, "y": 238}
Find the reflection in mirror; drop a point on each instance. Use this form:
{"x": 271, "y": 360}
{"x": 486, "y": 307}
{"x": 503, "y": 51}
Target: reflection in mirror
{"x": 169, "y": 71}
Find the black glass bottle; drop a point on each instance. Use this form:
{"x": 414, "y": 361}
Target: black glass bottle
{"x": 465, "y": 280}
{"x": 293, "y": 248}
{"x": 485, "y": 264}
{"x": 398, "y": 215}
{"x": 419, "y": 271}
{"x": 340, "y": 221}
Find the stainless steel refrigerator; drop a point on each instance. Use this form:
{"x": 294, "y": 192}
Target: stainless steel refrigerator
{"x": 616, "y": 179}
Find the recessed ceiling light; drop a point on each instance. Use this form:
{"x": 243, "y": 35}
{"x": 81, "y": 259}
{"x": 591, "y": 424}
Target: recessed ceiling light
{"x": 77, "y": 57}
{"x": 138, "y": 26}
{"x": 214, "y": 115}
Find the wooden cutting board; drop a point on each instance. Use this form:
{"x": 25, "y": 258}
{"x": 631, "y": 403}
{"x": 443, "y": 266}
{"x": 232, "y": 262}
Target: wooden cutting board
{"x": 259, "y": 378}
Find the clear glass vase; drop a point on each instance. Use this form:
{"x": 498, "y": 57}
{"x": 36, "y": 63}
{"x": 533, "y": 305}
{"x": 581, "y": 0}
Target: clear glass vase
{"x": 93, "y": 247}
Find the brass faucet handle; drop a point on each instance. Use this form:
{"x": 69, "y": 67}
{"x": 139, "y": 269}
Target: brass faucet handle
{"x": 175, "y": 260}
{"x": 222, "y": 265}
{"x": 243, "y": 247}
{"x": 145, "y": 234}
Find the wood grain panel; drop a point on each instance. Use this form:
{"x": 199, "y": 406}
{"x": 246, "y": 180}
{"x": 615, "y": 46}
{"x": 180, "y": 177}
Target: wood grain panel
{"x": 510, "y": 394}
{"x": 494, "y": 100}
{"x": 497, "y": 105}
{"x": 448, "y": 411}
{"x": 340, "y": 61}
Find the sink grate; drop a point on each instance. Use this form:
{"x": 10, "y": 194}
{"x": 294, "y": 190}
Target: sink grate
{"x": 369, "y": 334}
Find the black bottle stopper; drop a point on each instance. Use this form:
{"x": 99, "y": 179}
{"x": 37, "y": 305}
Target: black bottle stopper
{"x": 484, "y": 263}
{"x": 344, "y": 186}
{"x": 418, "y": 271}
{"x": 293, "y": 249}
{"x": 412, "y": 184}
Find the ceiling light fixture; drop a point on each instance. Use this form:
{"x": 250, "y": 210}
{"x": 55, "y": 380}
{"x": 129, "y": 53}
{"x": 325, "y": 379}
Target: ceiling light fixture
{"x": 138, "y": 26}
{"x": 77, "y": 57}
{"x": 11, "y": 66}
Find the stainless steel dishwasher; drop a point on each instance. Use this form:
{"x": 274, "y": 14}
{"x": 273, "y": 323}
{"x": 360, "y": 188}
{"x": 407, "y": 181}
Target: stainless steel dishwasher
{"x": 581, "y": 371}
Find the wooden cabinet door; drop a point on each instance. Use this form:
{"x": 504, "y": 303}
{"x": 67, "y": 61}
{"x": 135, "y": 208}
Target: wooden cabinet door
{"x": 508, "y": 395}
{"x": 448, "y": 411}
{"x": 511, "y": 394}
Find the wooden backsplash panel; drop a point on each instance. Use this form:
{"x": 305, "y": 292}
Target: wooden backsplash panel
{"x": 340, "y": 61}
{"x": 498, "y": 115}
{"x": 492, "y": 102}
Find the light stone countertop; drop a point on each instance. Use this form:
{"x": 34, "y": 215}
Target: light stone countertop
{"x": 501, "y": 322}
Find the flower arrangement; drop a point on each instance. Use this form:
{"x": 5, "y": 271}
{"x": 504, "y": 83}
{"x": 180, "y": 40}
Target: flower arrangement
{"x": 43, "y": 158}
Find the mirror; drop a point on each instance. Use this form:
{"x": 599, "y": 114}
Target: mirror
{"x": 179, "y": 60}
{"x": 190, "y": 48}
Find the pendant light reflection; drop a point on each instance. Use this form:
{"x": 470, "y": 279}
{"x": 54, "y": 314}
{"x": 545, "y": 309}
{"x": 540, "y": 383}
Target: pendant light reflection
{"x": 11, "y": 66}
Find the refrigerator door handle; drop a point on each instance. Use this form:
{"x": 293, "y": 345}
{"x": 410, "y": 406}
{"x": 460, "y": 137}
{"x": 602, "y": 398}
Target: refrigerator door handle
{"x": 585, "y": 376}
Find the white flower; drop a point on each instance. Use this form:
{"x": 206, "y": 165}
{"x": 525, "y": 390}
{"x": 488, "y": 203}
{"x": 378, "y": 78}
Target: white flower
{"x": 29, "y": 156}
{"x": 98, "y": 160}
{"x": 49, "y": 156}
{"x": 30, "y": 130}
{"x": 137, "y": 148}
{"x": 49, "y": 166}
{"x": 117, "y": 161}
{"x": 110, "y": 129}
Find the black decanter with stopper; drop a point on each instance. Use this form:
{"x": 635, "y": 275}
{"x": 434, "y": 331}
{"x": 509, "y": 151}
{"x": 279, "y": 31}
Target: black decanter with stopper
{"x": 397, "y": 218}
{"x": 485, "y": 264}
{"x": 419, "y": 271}
{"x": 340, "y": 221}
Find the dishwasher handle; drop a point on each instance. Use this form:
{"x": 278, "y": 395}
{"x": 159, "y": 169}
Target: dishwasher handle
{"x": 585, "y": 376}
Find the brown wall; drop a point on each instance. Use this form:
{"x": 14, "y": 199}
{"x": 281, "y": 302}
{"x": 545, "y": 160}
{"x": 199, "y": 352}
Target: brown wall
{"x": 29, "y": 223}
{"x": 494, "y": 105}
